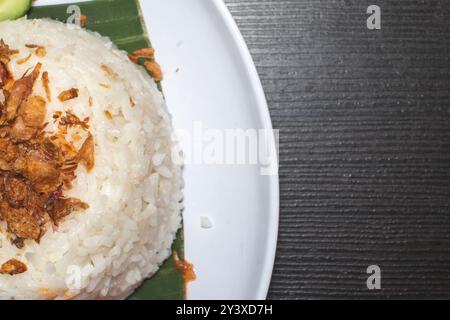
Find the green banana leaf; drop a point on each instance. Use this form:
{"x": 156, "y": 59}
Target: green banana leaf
{"x": 122, "y": 21}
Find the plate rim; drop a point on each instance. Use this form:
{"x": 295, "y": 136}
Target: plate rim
{"x": 263, "y": 109}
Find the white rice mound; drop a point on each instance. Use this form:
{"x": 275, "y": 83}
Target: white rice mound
{"x": 134, "y": 190}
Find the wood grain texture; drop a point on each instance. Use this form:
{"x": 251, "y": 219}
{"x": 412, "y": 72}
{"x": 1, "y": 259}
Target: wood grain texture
{"x": 365, "y": 143}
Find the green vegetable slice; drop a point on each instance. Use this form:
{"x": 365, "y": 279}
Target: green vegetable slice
{"x": 122, "y": 21}
{"x": 13, "y": 9}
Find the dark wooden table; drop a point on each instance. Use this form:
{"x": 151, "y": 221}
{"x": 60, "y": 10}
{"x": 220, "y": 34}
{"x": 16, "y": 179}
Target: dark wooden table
{"x": 365, "y": 143}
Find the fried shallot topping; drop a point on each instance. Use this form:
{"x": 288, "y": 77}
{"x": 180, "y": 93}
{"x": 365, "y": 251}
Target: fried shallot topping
{"x": 5, "y": 75}
{"x": 63, "y": 207}
{"x": 109, "y": 72}
{"x": 24, "y": 60}
{"x": 154, "y": 69}
{"x": 36, "y": 166}
{"x": 185, "y": 268}
{"x": 71, "y": 119}
{"x": 132, "y": 102}
{"x": 31, "y": 46}
{"x": 108, "y": 115}
{"x": 68, "y": 95}
{"x": 104, "y": 85}
{"x": 46, "y": 85}
{"x": 148, "y": 54}
{"x": 86, "y": 153}
{"x": 13, "y": 267}
{"x": 83, "y": 21}
{"x": 39, "y": 50}
{"x": 20, "y": 91}
{"x": 5, "y": 51}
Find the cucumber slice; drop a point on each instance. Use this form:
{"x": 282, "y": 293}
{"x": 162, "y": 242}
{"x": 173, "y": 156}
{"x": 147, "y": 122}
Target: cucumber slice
{"x": 13, "y": 9}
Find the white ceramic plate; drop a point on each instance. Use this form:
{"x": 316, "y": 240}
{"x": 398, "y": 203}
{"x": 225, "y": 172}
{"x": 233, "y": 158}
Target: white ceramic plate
{"x": 211, "y": 82}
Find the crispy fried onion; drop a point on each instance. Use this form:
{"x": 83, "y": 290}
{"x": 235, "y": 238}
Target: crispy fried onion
{"x": 5, "y": 51}
{"x": 36, "y": 166}
{"x": 148, "y": 54}
{"x": 67, "y": 95}
{"x": 13, "y": 267}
